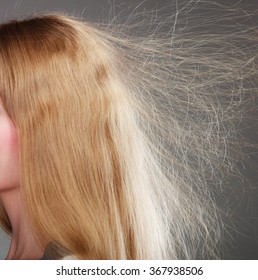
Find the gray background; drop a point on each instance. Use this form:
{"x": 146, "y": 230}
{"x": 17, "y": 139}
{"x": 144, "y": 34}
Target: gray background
{"x": 244, "y": 203}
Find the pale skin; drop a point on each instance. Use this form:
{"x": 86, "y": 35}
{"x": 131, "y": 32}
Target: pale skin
{"x": 24, "y": 246}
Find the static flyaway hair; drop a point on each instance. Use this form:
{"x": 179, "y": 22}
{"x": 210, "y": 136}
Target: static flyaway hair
{"x": 122, "y": 136}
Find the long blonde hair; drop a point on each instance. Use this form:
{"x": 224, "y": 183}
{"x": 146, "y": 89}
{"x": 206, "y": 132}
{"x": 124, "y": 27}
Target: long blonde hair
{"x": 120, "y": 136}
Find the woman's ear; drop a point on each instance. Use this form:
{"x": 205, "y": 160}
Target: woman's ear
{"x": 9, "y": 160}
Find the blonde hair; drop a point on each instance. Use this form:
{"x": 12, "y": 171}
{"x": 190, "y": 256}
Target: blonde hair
{"x": 120, "y": 136}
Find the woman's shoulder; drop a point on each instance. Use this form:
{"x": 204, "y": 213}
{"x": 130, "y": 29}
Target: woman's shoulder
{"x": 70, "y": 257}
{"x": 54, "y": 251}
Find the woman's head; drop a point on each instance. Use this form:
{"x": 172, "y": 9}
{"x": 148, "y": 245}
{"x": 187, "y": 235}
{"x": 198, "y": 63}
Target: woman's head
{"x": 76, "y": 131}
{"x": 118, "y": 137}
